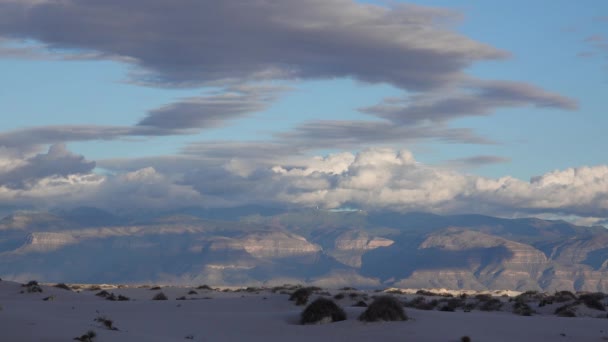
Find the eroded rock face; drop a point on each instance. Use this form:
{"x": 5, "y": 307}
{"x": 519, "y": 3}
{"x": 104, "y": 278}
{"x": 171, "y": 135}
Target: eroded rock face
{"x": 358, "y": 240}
{"x": 350, "y": 246}
{"x": 267, "y": 245}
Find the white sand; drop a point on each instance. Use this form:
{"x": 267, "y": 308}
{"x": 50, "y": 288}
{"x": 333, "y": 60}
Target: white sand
{"x": 250, "y": 317}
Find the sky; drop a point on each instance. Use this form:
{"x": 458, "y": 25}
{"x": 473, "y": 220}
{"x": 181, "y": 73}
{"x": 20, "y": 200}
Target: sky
{"x": 485, "y": 107}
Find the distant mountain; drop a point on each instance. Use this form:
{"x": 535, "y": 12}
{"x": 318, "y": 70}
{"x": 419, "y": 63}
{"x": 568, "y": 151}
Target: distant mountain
{"x": 248, "y": 246}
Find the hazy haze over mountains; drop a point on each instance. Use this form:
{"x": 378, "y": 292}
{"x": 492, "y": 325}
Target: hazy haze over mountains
{"x": 254, "y": 245}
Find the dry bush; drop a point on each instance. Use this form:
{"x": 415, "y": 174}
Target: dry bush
{"x": 384, "y": 308}
{"x": 322, "y": 310}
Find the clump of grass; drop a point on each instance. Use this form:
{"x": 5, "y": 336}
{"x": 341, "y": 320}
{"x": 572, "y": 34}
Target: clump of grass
{"x": 301, "y": 295}
{"x": 204, "y": 287}
{"x": 32, "y": 287}
{"x": 522, "y": 309}
{"x": 384, "y": 308}
{"x": 322, "y": 310}
{"x": 160, "y": 296}
{"x": 88, "y": 337}
{"x": 192, "y": 292}
{"x": 103, "y": 293}
{"x": 122, "y": 298}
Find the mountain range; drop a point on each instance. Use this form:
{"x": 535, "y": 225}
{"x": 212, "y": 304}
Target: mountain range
{"x": 267, "y": 246}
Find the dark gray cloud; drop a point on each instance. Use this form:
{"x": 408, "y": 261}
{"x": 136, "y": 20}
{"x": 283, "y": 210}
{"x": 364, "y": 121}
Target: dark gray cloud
{"x": 212, "y": 110}
{"x": 481, "y": 98}
{"x": 186, "y": 116}
{"x": 206, "y": 41}
{"x": 350, "y": 134}
{"x": 58, "y": 161}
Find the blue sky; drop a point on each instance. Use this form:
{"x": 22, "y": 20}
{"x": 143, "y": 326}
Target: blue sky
{"x": 531, "y": 79}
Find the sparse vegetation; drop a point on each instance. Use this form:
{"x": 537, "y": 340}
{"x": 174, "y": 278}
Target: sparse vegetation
{"x": 155, "y": 288}
{"x": 204, "y": 287}
{"x": 465, "y": 339}
{"x": 192, "y": 292}
{"x": 384, "y": 308}
{"x": 322, "y": 310}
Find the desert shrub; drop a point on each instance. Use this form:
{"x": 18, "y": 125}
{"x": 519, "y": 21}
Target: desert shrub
{"x": 63, "y": 286}
{"x": 455, "y": 303}
{"x": 360, "y": 304}
{"x": 563, "y": 296}
{"x": 339, "y": 296}
{"x": 465, "y": 339}
{"x": 103, "y": 293}
{"x": 384, "y": 308}
{"x": 155, "y": 288}
{"x": 94, "y": 288}
{"x": 347, "y": 288}
{"x": 392, "y": 291}
{"x": 433, "y": 294}
{"x": 159, "y": 296}
{"x": 32, "y": 287}
{"x": 181, "y": 298}
{"x": 567, "y": 310}
{"x": 122, "y": 298}
{"x": 593, "y": 300}
{"x": 112, "y": 297}
{"x": 49, "y": 298}
{"x": 106, "y": 322}
{"x": 468, "y": 307}
{"x": 301, "y": 295}
{"x": 522, "y": 309}
{"x": 493, "y": 304}
{"x": 192, "y": 292}
{"x": 420, "y": 303}
{"x": 88, "y": 337}
{"x": 322, "y": 310}
{"x": 447, "y": 308}
{"x": 483, "y": 297}
{"x": 204, "y": 287}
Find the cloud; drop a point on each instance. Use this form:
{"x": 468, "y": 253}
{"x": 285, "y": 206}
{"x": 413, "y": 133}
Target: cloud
{"x": 208, "y": 41}
{"x": 478, "y": 99}
{"x": 58, "y": 162}
{"x": 476, "y": 161}
{"x": 213, "y": 110}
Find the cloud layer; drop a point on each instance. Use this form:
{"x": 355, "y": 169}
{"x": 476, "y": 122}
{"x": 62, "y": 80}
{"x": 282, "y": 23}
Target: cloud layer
{"x": 374, "y": 179}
